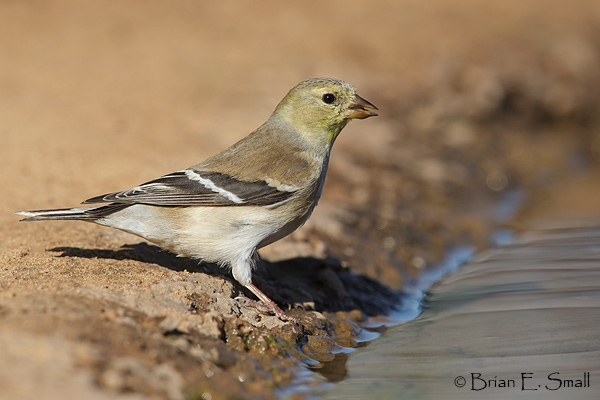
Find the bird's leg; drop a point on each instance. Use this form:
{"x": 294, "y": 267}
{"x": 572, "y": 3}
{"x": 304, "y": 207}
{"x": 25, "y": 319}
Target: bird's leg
{"x": 242, "y": 272}
{"x": 267, "y": 305}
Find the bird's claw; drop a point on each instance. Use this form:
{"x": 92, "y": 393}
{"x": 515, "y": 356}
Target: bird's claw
{"x": 267, "y": 308}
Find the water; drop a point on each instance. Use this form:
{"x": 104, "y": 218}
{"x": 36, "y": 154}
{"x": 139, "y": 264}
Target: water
{"x": 518, "y": 322}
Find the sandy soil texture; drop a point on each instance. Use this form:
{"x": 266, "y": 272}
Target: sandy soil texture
{"x": 477, "y": 101}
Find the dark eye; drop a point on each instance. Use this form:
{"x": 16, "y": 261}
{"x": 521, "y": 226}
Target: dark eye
{"x": 328, "y": 98}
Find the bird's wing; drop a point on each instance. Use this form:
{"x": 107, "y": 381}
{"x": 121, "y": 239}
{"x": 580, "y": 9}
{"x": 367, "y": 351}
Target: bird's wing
{"x": 200, "y": 188}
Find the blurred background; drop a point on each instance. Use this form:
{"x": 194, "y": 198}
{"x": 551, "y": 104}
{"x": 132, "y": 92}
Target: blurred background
{"x": 488, "y": 112}
{"x": 476, "y": 99}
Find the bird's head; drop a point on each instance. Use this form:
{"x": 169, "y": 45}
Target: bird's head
{"x": 319, "y": 108}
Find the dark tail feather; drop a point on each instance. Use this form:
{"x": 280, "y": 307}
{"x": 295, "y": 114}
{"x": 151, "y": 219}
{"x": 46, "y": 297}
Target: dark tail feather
{"x": 80, "y": 214}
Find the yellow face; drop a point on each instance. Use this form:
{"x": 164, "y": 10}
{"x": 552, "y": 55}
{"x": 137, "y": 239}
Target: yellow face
{"x": 321, "y": 107}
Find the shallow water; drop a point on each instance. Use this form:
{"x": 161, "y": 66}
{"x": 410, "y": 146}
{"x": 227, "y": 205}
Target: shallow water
{"x": 519, "y": 321}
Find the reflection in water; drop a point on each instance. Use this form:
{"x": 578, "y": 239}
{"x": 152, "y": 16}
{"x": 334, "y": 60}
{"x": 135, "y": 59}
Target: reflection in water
{"x": 335, "y": 370}
{"x": 521, "y": 321}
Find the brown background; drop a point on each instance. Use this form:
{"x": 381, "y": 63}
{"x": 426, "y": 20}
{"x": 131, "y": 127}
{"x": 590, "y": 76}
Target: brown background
{"x": 101, "y": 96}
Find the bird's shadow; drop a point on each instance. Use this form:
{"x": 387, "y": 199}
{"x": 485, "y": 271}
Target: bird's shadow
{"x": 322, "y": 283}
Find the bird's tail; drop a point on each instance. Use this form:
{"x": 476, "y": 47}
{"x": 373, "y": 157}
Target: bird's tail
{"x": 80, "y": 214}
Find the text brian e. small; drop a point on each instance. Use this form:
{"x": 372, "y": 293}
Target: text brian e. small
{"x": 554, "y": 382}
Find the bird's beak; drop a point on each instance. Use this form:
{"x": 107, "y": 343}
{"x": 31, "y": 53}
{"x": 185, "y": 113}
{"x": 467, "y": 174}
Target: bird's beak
{"x": 360, "y": 108}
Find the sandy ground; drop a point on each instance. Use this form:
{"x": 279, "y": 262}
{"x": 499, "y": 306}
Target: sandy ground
{"x": 477, "y": 101}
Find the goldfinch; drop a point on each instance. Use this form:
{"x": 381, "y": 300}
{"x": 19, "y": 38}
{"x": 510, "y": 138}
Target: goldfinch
{"x": 248, "y": 196}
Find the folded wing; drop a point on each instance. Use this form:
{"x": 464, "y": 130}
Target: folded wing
{"x": 199, "y": 188}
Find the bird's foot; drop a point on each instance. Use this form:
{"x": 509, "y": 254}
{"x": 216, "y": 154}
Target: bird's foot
{"x": 268, "y": 309}
{"x": 267, "y": 305}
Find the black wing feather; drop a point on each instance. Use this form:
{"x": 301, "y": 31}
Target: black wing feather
{"x": 178, "y": 189}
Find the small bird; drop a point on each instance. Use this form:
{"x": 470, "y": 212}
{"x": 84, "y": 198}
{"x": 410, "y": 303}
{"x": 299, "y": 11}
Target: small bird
{"x": 250, "y": 195}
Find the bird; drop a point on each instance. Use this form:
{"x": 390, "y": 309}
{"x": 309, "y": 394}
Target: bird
{"x": 257, "y": 191}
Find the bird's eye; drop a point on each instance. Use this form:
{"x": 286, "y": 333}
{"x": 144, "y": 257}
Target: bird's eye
{"x": 328, "y": 98}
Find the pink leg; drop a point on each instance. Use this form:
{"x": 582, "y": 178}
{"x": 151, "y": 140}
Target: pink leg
{"x": 268, "y": 305}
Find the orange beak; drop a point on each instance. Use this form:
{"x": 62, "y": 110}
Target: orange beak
{"x": 361, "y": 108}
